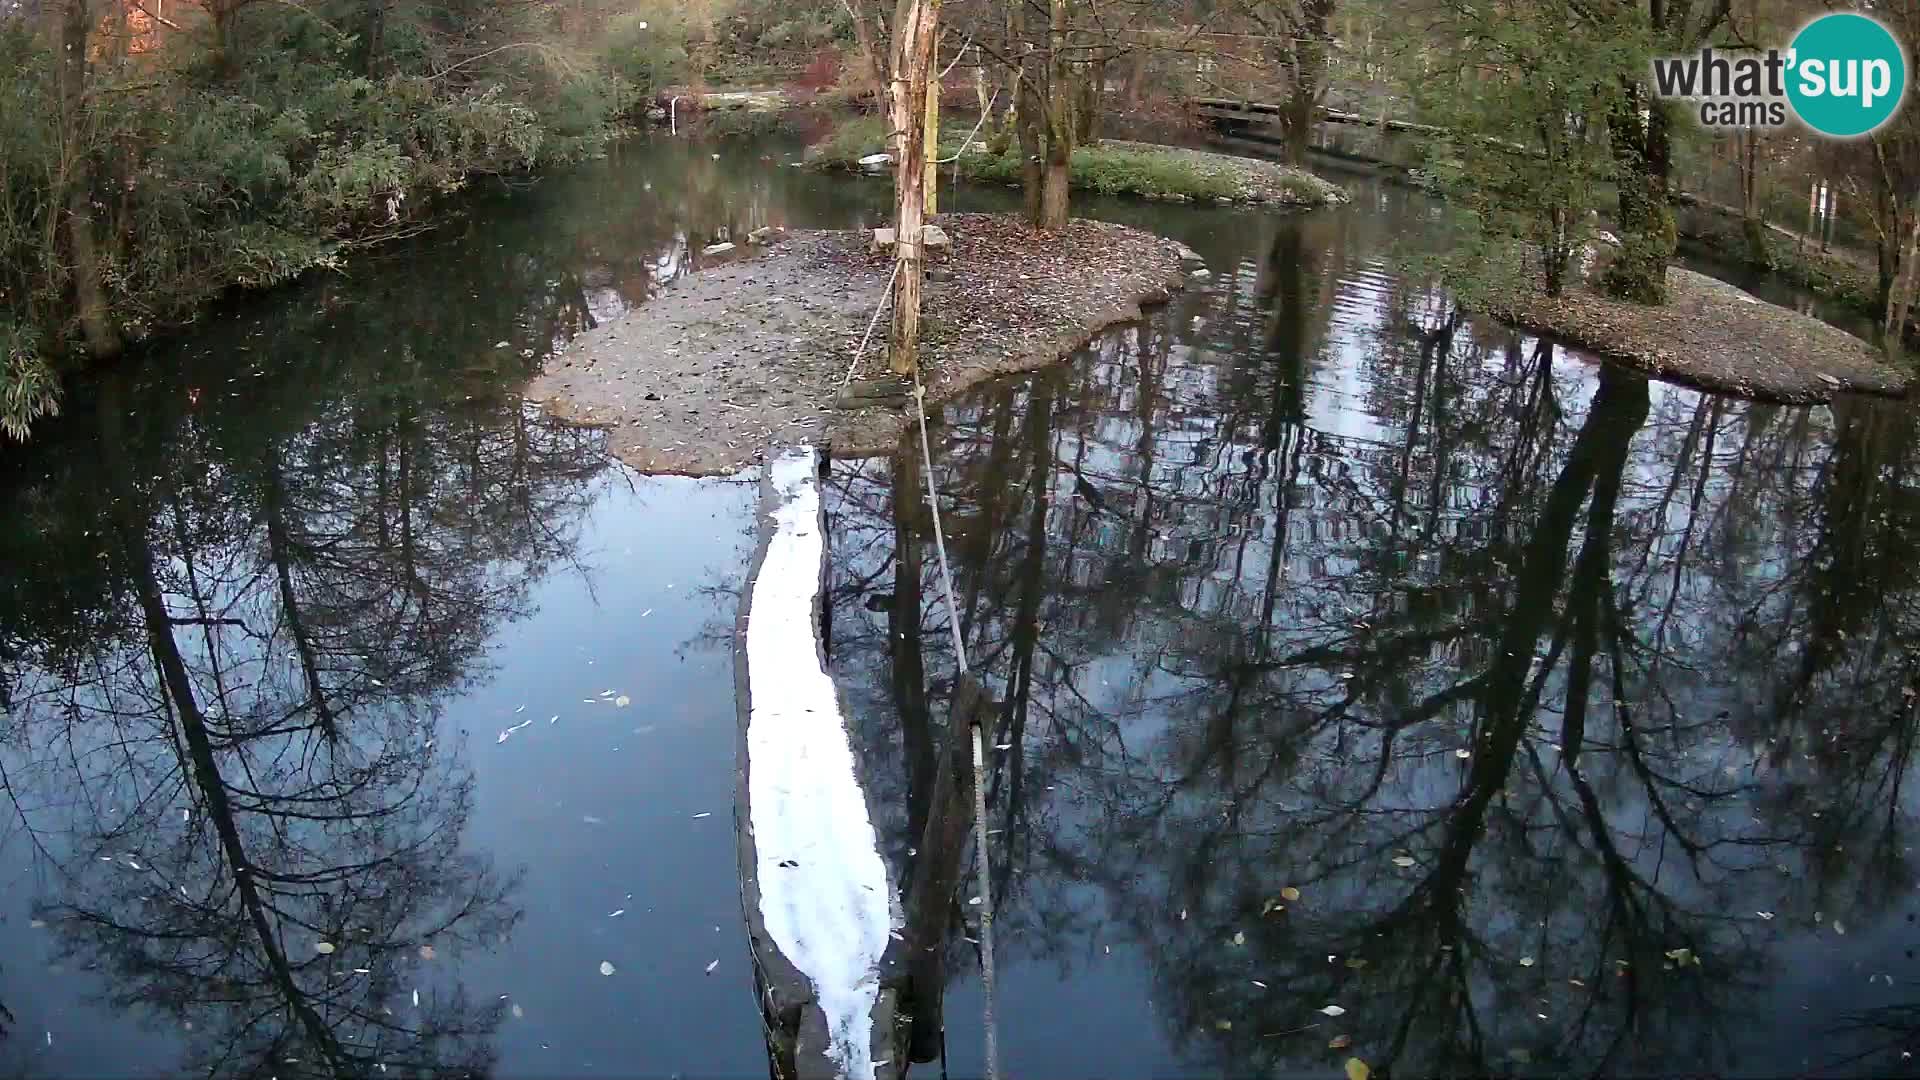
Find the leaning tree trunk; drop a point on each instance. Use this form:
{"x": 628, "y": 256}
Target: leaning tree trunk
{"x": 89, "y": 289}
{"x": 1054, "y": 198}
{"x": 917, "y": 36}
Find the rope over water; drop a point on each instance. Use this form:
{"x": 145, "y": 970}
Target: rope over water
{"x": 985, "y": 881}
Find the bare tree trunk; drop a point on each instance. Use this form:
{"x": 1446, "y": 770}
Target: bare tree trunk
{"x": 1029, "y": 117}
{"x": 1054, "y": 197}
{"x": 96, "y": 324}
{"x": 932, "y": 138}
{"x": 1093, "y": 91}
{"x": 1900, "y": 300}
{"x": 917, "y": 37}
{"x": 1136, "y": 75}
{"x": 873, "y": 73}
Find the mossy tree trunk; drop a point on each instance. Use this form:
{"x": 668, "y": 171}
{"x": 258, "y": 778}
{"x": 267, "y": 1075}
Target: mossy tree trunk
{"x": 1642, "y": 154}
{"x": 102, "y": 338}
{"x": 1307, "y": 55}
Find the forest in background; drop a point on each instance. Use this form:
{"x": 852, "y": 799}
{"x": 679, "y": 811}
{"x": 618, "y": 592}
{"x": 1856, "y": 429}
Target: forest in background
{"x": 157, "y": 152}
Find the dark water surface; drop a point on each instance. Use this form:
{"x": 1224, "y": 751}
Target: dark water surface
{"x": 1576, "y": 708}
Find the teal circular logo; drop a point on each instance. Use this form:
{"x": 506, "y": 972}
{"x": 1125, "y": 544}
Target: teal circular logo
{"x": 1846, "y": 74}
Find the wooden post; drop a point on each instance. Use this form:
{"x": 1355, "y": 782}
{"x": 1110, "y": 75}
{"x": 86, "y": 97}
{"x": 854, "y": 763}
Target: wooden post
{"x": 910, "y": 80}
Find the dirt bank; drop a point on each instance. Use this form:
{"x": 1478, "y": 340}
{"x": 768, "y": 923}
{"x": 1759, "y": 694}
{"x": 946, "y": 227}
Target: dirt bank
{"x": 748, "y": 356}
{"x": 1714, "y": 336}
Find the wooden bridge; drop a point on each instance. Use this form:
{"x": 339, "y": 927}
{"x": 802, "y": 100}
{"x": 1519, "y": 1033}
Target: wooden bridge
{"x": 1230, "y": 111}
{"x": 1235, "y": 117}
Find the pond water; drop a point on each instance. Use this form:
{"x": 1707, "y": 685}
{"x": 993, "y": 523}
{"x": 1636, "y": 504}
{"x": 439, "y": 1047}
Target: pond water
{"x": 1366, "y": 674}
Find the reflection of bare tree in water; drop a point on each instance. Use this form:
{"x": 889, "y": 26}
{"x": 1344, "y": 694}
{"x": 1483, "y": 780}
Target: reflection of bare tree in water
{"x": 265, "y": 851}
{"x": 1532, "y": 689}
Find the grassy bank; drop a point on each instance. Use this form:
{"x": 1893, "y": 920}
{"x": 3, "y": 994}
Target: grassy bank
{"x": 1108, "y": 168}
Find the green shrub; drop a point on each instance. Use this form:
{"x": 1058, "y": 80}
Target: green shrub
{"x": 858, "y": 137}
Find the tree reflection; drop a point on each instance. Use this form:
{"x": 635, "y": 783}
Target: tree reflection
{"x": 255, "y": 815}
{"x": 1538, "y": 682}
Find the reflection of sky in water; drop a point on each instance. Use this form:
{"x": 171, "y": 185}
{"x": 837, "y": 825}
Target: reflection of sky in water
{"x": 1173, "y": 761}
{"x": 1176, "y": 760}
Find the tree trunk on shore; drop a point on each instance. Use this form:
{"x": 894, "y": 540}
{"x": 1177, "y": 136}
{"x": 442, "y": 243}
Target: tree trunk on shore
{"x": 1086, "y": 116}
{"x": 1136, "y": 76}
{"x": 89, "y": 290}
{"x": 1900, "y": 296}
{"x": 1054, "y": 195}
{"x": 1642, "y": 149}
{"x": 1030, "y": 114}
{"x": 1308, "y": 51}
{"x": 1752, "y": 224}
{"x": 873, "y": 73}
{"x": 918, "y": 33}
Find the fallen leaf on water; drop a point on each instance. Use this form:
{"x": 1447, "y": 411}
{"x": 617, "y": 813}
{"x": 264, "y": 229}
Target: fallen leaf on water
{"x": 1223, "y": 1025}
{"x": 1239, "y": 937}
{"x": 1356, "y": 962}
{"x": 623, "y": 701}
{"x": 1357, "y": 1069}
{"x": 711, "y": 966}
{"x": 1837, "y": 928}
{"x": 1526, "y": 961}
{"x": 1289, "y": 894}
{"x": 1333, "y": 1010}
{"x": 426, "y": 952}
{"x": 1340, "y": 1042}
{"x": 1403, "y": 861}
{"x": 518, "y": 1012}
{"x": 37, "y": 924}
{"x": 1681, "y": 957}
{"x": 606, "y": 967}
